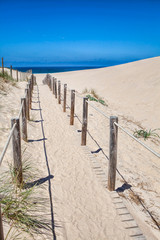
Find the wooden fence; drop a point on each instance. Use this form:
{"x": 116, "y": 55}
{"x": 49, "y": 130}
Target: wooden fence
{"x": 15, "y": 135}
{"x": 15, "y": 74}
{"x": 52, "y": 83}
{"x": 114, "y": 126}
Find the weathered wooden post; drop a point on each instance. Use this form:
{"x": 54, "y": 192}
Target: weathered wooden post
{"x": 16, "y": 142}
{"x": 2, "y": 67}
{"x": 30, "y": 94}
{"x": 55, "y": 88}
{"x": 17, "y": 74}
{"x": 59, "y": 92}
{"x": 112, "y": 153}
{"x": 84, "y": 121}
{"x": 65, "y": 97}
{"x": 49, "y": 82}
{"x": 34, "y": 81}
{"x": 11, "y": 71}
{"x": 24, "y": 119}
{"x": 31, "y": 82}
{"x": 1, "y": 226}
{"x": 27, "y": 103}
{"x": 72, "y": 107}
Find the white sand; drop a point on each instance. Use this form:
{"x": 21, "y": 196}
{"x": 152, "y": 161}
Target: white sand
{"x": 83, "y": 208}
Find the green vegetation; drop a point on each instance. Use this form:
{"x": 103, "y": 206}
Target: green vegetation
{"x": 7, "y": 78}
{"x": 146, "y": 133}
{"x": 93, "y": 96}
{"x": 21, "y": 209}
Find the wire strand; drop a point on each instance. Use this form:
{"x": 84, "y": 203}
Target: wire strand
{"x": 7, "y": 143}
{"x": 98, "y": 110}
{"x": 144, "y": 145}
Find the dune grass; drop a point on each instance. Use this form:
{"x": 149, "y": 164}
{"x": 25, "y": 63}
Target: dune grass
{"x": 21, "y": 209}
{"x": 6, "y": 79}
{"x": 146, "y": 133}
{"x": 93, "y": 96}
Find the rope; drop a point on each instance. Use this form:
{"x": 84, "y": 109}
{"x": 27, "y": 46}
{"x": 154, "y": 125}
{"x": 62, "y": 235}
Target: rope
{"x": 7, "y": 143}
{"x": 98, "y": 110}
{"x": 144, "y": 145}
{"x": 20, "y": 110}
{"x": 76, "y": 94}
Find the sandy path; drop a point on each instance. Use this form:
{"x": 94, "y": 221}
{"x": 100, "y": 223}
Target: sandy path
{"x": 82, "y": 206}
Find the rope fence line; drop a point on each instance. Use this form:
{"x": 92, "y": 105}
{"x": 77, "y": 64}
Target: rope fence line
{"x": 21, "y": 108}
{"x": 15, "y": 134}
{"x": 7, "y": 143}
{"x": 114, "y": 125}
{"x": 98, "y": 110}
{"x": 15, "y": 74}
{"x": 24, "y": 108}
{"x": 113, "y": 121}
{"x": 140, "y": 142}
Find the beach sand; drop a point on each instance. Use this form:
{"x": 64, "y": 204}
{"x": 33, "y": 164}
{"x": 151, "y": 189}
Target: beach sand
{"x": 82, "y": 206}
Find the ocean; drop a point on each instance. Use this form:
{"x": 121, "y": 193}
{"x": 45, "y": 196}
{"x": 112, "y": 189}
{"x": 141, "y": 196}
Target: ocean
{"x": 52, "y": 69}
{"x": 56, "y": 69}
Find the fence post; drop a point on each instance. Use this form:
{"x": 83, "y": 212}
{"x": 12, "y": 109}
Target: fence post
{"x": 11, "y": 70}
{"x": 1, "y": 226}
{"x": 30, "y": 94}
{"x": 55, "y": 88}
{"x": 31, "y": 83}
{"x": 50, "y": 83}
{"x": 65, "y": 96}
{"x": 59, "y": 92}
{"x": 17, "y": 75}
{"x": 16, "y": 142}
{"x": 85, "y": 121}
{"x": 27, "y": 103}
{"x": 2, "y": 67}
{"x": 24, "y": 119}
{"x": 112, "y": 153}
{"x": 72, "y": 107}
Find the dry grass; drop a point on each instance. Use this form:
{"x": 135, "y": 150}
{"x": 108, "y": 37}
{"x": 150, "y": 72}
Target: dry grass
{"x": 6, "y": 80}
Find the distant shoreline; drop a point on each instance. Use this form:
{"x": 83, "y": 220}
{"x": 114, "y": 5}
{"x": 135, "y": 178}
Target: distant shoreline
{"x": 68, "y": 68}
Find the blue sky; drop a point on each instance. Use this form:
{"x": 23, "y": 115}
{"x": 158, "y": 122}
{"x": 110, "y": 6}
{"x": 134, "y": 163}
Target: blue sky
{"x": 73, "y": 32}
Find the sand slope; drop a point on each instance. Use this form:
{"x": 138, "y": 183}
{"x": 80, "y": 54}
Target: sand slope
{"x": 131, "y": 88}
{"x": 76, "y": 177}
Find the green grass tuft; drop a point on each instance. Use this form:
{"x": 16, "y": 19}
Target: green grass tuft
{"x": 21, "y": 209}
{"x": 146, "y": 133}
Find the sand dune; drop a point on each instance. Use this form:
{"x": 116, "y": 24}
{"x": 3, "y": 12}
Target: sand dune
{"x": 83, "y": 207}
{"x": 132, "y": 88}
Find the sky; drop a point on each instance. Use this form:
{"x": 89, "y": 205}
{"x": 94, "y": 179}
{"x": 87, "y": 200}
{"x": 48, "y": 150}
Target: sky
{"x": 73, "y": 32}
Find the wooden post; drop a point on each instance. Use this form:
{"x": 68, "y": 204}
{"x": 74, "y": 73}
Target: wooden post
{"x": 34, "y": 80}
{"x": 24, "y": 120}
{"x": 17, "y": 75}
{"x": 55, "y": 88}
{"x": 112, "y": 153}
{"x": 30, "y": 94}
{"x": 1, "y": 226}
{"x": 2, "y": 67}
{"x": 11, "y": 71}
{"x": 84, "y": 122}
{"x": 50, "y": 83}
{"x": 72, "y": 107}
{"x": 31, "y": 83}
{"x": 16, "y": 142}
{"x": 27, "y": 103}
{"x": 65, "y": 97}
{"x": 59, "y": 92}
